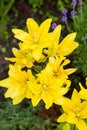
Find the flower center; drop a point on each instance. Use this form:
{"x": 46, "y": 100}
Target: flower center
{"x": 28, "y": 56}
{"x": 77, "y": 115}
{"x": 77, "y": 112}
{"x": 44, "y": 86}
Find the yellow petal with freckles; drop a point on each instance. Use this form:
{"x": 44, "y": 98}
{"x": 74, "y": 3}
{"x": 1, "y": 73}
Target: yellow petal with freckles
{"x": 21, "y": 35}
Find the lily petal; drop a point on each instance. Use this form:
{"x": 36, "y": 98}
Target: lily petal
{"x": 45, "y": 26}
{"x": 21, "y": 35}
{"x": 62, "y": 118}
{"x": 67, "y": 45}
{"x": 32, "y": 26}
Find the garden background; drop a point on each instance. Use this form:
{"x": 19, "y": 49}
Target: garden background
{"x": 13, "y": 14}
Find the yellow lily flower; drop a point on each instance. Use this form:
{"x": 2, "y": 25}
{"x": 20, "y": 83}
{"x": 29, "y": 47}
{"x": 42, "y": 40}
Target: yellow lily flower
{"x": 17, "y": 84}
{"x": 52, "y": 81}
{"x": 63, "y": 48}
{"x": 36, "y": 38}
{"x": 56, "y": 65}
{"x": 22, "y": 58}
{"x": 75, "y": 111}
{"x": 49, "y": 88}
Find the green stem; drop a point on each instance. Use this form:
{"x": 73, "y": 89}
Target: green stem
{"x": 73, "y": 127}
{"x": 11, "y": 2}
{"x": 68, "y": 28}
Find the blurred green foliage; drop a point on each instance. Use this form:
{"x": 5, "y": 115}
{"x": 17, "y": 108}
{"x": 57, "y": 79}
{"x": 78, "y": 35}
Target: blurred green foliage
{"x": 80, "y": 60}
{"x": 21, "y": 117}
{"x": 42, "y": 8}
{"x": 62, "y": 4}
{"x": 48, "y": 8}
{"x": 5, "y": 6}
{"x": 35, "y": 4}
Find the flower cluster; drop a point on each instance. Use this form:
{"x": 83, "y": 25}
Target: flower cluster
{"x": 38, "y": 69}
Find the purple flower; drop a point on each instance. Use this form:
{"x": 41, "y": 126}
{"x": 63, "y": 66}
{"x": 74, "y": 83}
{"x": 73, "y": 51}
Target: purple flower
{"x": 54, "y": 25}
{"x": 73, "y": 13}
{"x": 84, "y": 38}
{"x": 64, "y": 19}
{"x": 74, "y": 2}
{"x": 64, "y": 11}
